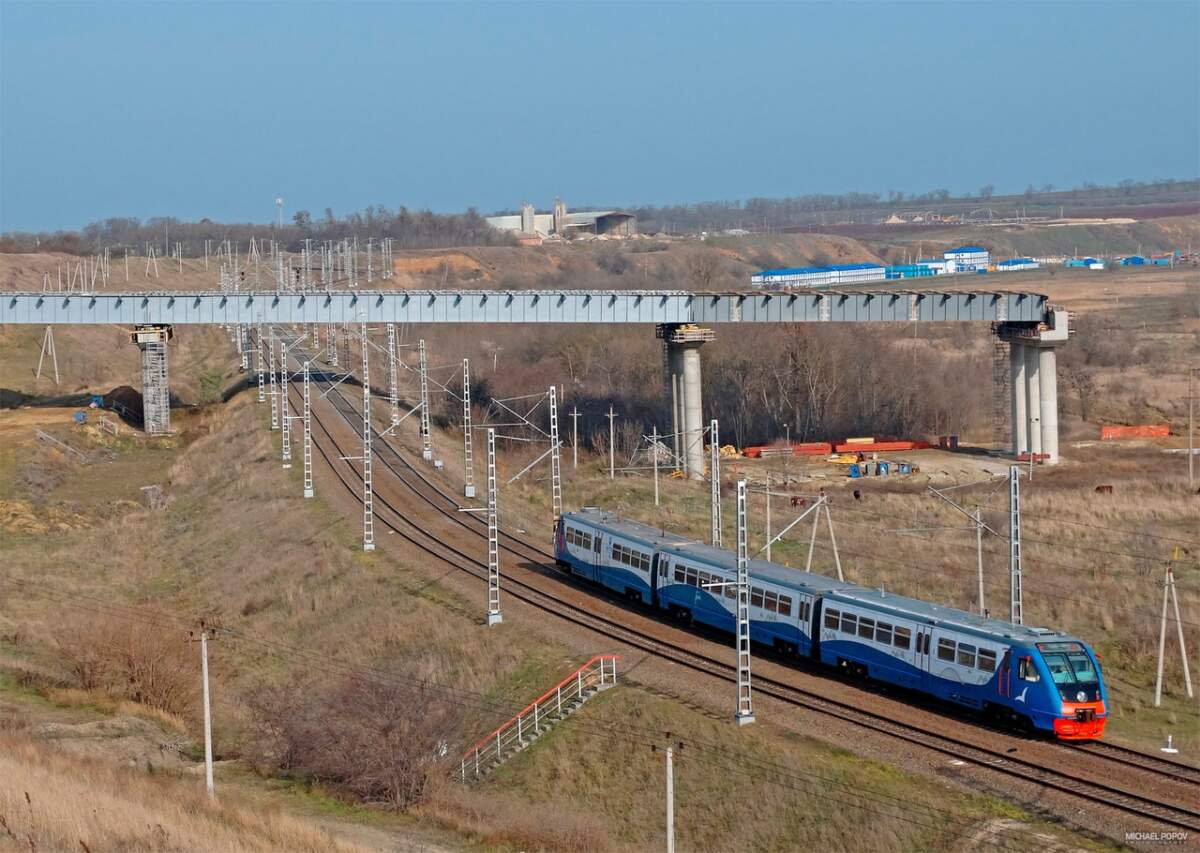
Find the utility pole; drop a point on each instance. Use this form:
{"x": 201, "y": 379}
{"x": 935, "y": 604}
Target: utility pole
{"x": 204, "y": 634}
{"x": 48, "y": 347}
{"x": 654, "y": 456}
{"x": 714, "y": 476}
{"x": 393, "y": 384}
{"x": 308, "y": 478}
{"x": 271, "y": 368}
{"x": 368, "y": 490}
{"x": 555, "y": 458}
{"x": 979, "y": 555}
{"x": 285, "y": 421}
{"x": 745, "y": 708}
{"x": 670, "y": 799}
{"x": 426, "y": 439}
{"x": 1192, "y": 401}
{"x": 262, "y": 391}
{"x": 493, "y": 614}
{"x": 1016, "y": 610}
{"x": 575, "y": 437}
{"x": 468, "y": 449}
{"x": 768, "y": 496}
{"x": 612, "y": 444}
{"x": 1169, "y": 591}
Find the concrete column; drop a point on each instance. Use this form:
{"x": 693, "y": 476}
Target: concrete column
{"x": 1048, "y": 386}
{"x": 156, "y": 389}
{"x": 1033, "y": 399}
{"x": 1020, "y": 425}
{"x": 693, "y": 417}
{"x": 675, "y": 365}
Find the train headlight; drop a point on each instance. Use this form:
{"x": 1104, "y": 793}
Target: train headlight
{"x": 1080, "y": 696}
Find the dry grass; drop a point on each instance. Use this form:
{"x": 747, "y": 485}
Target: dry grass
{"x": 53, "y": 801}
{"x": 578, "y": 790}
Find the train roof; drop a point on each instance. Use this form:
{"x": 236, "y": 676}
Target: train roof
{"x": 655, "y": 536}
{"x": 914, "y": 608}
{"x": 818, "y": 584}
{"x": 682, "y": 546}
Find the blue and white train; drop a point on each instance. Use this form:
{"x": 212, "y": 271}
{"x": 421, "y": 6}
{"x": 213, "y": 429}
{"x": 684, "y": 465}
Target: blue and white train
{"x": 1032, "y": 676}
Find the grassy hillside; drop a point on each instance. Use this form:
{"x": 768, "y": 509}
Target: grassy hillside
{"x": 307, "y": 607}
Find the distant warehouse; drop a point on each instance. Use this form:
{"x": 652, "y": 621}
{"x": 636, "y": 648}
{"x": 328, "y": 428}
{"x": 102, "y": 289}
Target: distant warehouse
{"x": 819, "y": 276}
{"x": 1013, "y": 264}
{"x": 559, "y": 223}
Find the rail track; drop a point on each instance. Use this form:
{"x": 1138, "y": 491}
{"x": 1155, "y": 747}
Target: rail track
{"x": 1072, "y": 784}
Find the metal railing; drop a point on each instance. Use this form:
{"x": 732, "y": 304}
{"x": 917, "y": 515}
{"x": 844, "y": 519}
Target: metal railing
{"x": 598, "y": 673}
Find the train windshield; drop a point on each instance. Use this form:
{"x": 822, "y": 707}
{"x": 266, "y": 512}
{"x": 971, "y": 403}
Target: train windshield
{"x": 1070, "y": 668}
{"x": 1074, "y": 675}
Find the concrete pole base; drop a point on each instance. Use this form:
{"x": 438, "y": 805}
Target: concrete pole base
{"x": 308, "y": 493}
{"x": 743, "y": 719}
{"x": 494, "y": 619}
{"x": 368, "y": 546}
{"x": 469, "y": 491}
{"x": 427, "y": 455}
{"x": 287, "y": 464}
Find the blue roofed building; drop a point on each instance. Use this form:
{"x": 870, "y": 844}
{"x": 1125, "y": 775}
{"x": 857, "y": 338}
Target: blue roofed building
{"x": 967, "y": 259}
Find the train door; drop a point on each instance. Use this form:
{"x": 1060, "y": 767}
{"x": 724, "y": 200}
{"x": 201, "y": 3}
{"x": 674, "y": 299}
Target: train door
{"x": 656, "y": 560}
{"x": 597, "y": 556}
{"x": 924, "y": 641}
{"x": 1004, "y": 679}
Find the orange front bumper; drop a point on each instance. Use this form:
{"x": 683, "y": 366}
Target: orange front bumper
{"x": 1070, "y": 727}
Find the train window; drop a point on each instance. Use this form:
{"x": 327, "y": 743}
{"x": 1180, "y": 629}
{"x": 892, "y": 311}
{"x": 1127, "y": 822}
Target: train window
{"x": 785, "y": 605}
{"x": 691, "y": 576}
{"x": 945, "y": 649}
{"x": 1027, "y": 671}
{"x": 901, "y": 637}
{"x": 680, "y": 574}
{"x": 966, "y": 655}
{"x": 849, "y": 623}
{"x": 831, "y": 619}
{"x": 771, "y": 601}
{"x": 730, "y": 589}
{"x": 866, "y": 628}
{"x": 987, "y": 660}
{"x": 883, "y": 633}
{"x": 664, "y": 569}
{"x": 756, "y": 597}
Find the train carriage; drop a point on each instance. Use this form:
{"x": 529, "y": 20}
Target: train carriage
{"x": 1034, "y": 676}
{"x": 614, "y": 552}
{"x": 698, "y": 582}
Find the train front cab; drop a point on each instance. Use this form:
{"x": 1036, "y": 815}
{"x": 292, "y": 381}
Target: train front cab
{"x": 1058, "y": 686}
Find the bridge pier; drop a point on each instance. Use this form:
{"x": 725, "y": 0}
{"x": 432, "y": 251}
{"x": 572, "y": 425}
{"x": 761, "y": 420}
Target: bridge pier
{"x": 156, "y": 388}
{"x": 1033, "y": 363}
{"x": 683, "y": 342}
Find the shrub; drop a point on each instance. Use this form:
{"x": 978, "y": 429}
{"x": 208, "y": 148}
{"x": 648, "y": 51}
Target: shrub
{"x": 383, "y": 741}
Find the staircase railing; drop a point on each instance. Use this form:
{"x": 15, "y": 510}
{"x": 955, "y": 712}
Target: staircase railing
{"x": 598, "y": 673}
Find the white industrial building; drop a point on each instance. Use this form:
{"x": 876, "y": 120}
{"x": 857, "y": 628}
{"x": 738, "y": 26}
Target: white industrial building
{"x": 563, "y": 224}
{"x": 967, "y": 259}
{"x": 819, "y": 276}
{"x": 794, "y": 277}
{"x": 1012, "y": 264}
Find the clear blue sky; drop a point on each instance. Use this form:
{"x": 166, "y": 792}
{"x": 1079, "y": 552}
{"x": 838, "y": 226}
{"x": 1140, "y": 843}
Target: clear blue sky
{"x": 210, "y": 109}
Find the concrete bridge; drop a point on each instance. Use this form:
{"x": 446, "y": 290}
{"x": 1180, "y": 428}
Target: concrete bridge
{"x": 1023, "y": 320}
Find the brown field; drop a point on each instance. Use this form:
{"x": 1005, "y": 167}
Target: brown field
{"x": 245, "y": 549}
